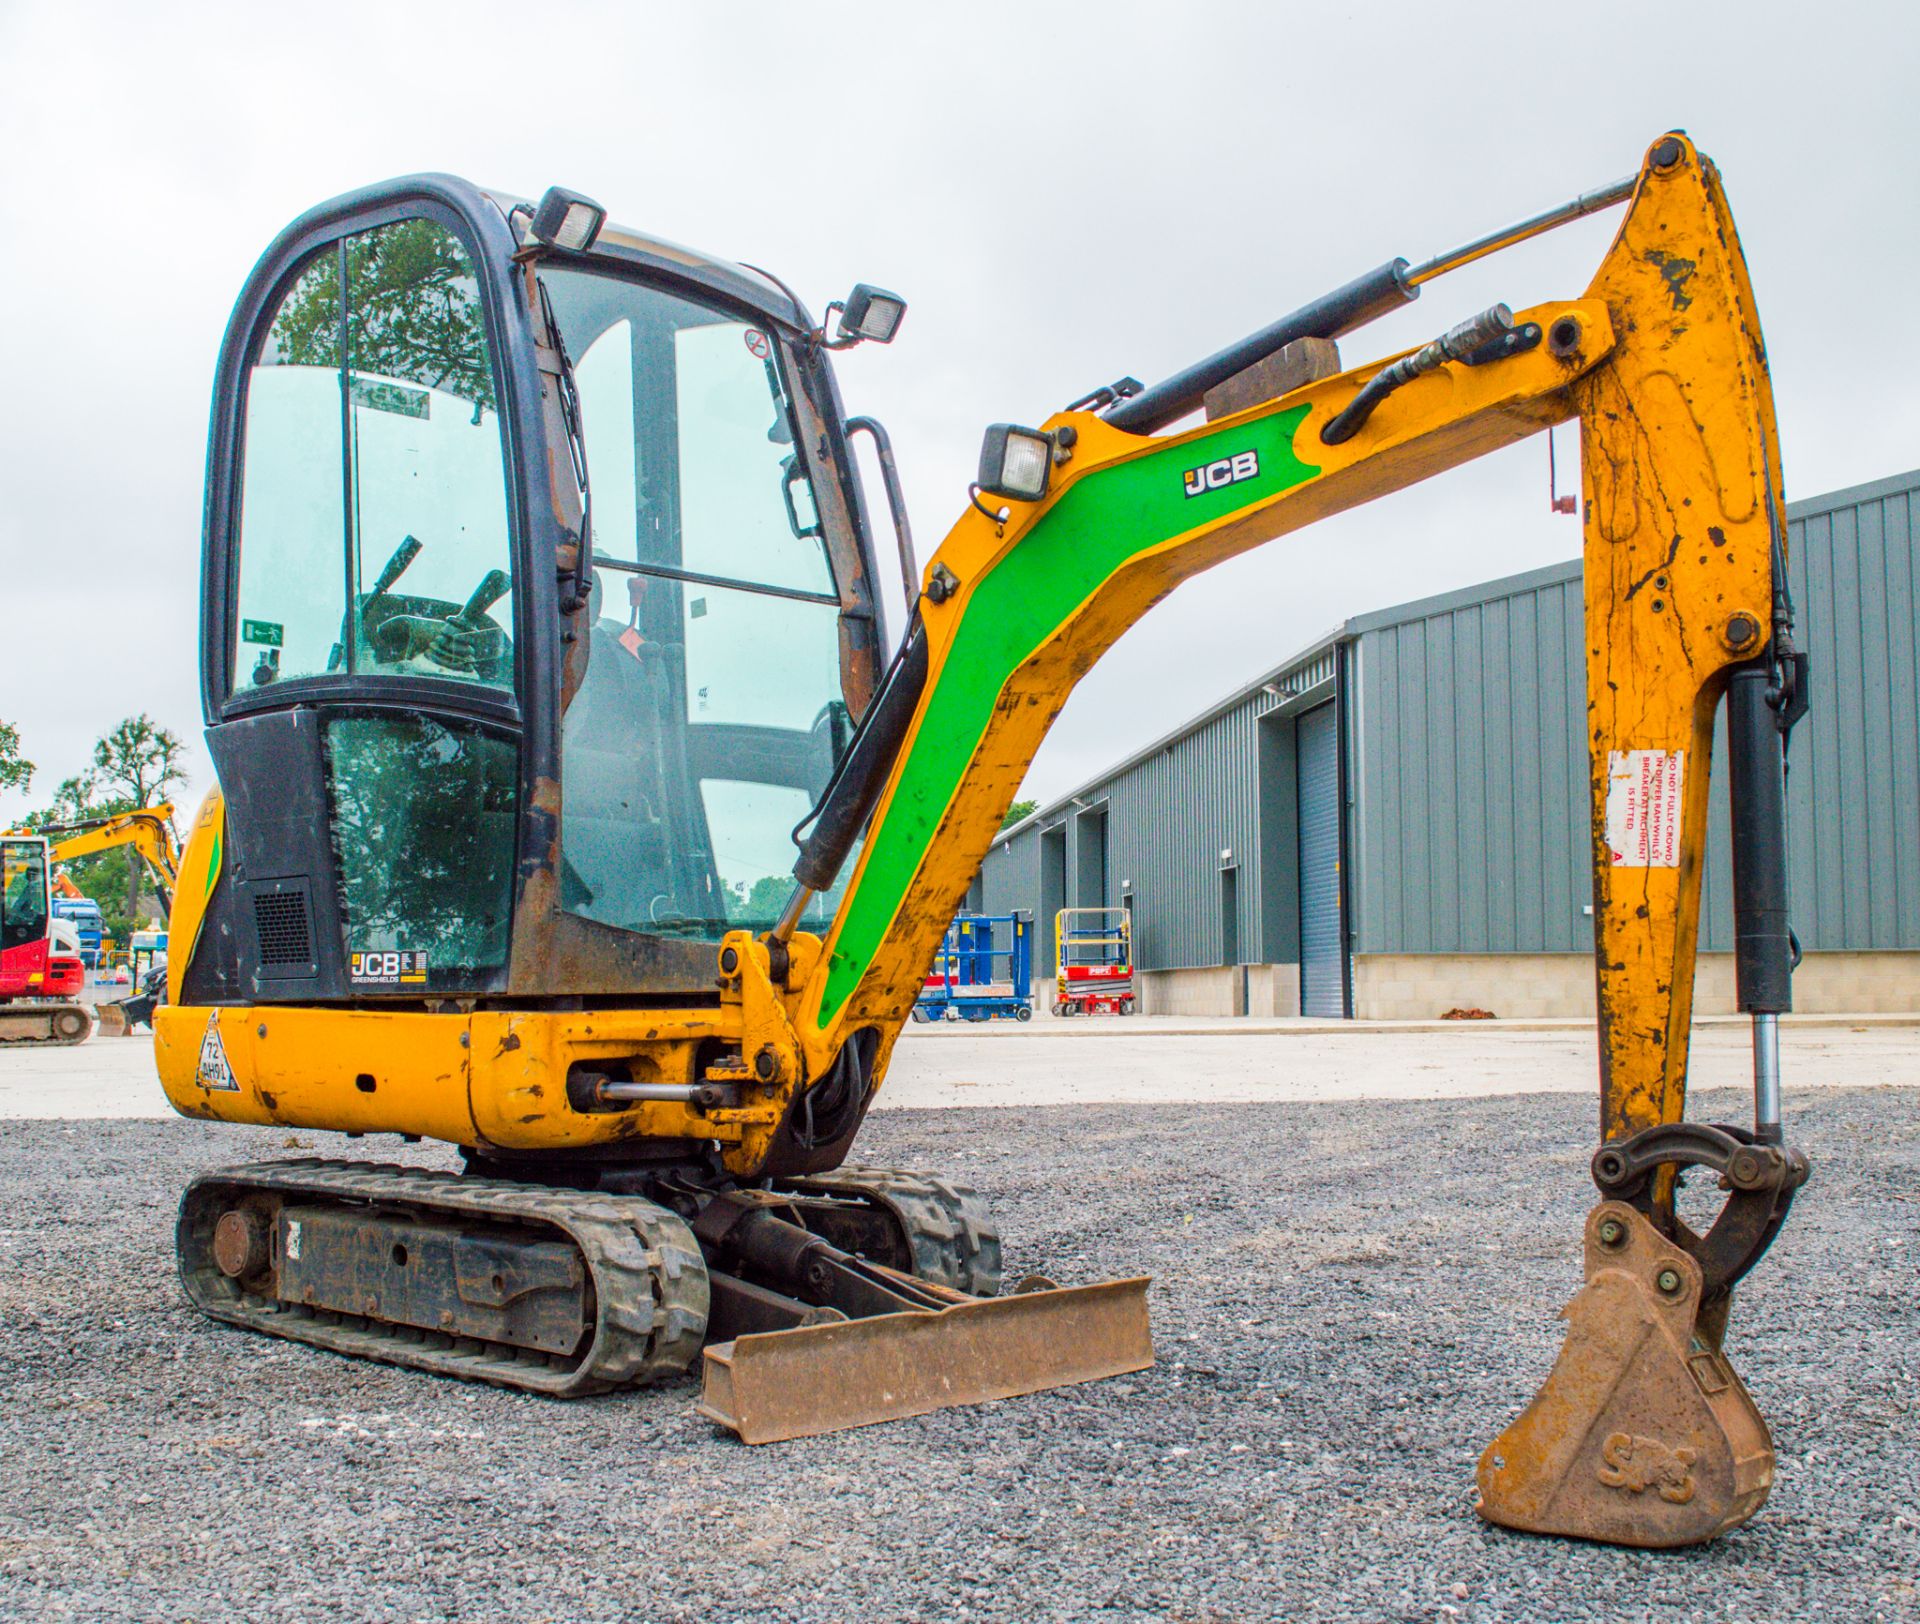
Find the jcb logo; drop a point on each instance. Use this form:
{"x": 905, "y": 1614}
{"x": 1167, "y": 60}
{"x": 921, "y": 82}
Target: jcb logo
{"x": 375, "y": 967}
{"x": 1227, "y": 471}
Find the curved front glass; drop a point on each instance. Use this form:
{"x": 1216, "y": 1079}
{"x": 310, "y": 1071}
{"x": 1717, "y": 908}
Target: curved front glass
{"x": 373, "y": 474}
{"x": 713, "y": 711}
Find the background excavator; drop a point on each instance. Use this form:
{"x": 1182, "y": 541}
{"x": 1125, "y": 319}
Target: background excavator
{"x": 42, "y": 986}
{"x": 540, "y": 626}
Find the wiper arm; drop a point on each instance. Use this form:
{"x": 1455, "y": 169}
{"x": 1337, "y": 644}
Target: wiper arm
{"x": 580, "y": 589}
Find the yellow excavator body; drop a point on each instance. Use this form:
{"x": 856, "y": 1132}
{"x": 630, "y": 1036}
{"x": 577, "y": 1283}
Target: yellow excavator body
{"x": 471, "y": 874}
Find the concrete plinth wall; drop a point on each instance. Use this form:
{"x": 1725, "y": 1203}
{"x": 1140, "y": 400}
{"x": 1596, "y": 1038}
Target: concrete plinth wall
{"x": 1273, "y": 989}
{"x": 1421, "y": 986}
{"x": 1249, "y": 989}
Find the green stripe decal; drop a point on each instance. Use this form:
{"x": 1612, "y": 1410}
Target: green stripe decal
{"x": 1099, "y": 525}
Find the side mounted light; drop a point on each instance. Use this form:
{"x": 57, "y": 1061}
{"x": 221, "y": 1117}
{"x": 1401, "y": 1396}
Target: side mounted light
{"x": 567, "y": 220}
{"x": 1015, "y": 462}
{"x": 870, "y": 313}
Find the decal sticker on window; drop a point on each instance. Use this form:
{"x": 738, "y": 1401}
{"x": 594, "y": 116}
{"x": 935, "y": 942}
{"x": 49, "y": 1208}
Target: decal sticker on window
{"x": 1643, "y": 807}
{"x": 213, "y": 1071}
{"x": 391, "y": 397}
{"x": 267, "y": 633}
{"x": 393, "y": 967}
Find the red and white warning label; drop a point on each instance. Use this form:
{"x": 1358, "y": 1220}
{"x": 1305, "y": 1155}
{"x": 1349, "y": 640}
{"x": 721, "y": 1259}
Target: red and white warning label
{"x": 1643, "y": 807}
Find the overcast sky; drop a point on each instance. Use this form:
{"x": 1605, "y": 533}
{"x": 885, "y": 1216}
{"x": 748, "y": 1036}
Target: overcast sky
{"x": 1064, "y": 194}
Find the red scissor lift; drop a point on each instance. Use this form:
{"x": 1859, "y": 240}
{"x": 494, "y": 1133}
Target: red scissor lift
{"x": 1093, "y": 961}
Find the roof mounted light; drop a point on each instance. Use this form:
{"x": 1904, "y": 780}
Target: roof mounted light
{"x": 867, "y": 315}
{"x": 566, "y": 220}
{"x": 872, "y": 314}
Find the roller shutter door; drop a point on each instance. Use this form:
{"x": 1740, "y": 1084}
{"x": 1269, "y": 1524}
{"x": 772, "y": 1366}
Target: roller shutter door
{"x": 1323, "y": 953}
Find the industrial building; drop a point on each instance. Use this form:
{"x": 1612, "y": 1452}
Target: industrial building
{"x": 1394, "y": 822}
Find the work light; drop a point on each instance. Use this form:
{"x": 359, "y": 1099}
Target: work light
{"x": 1015, "y": 462}
{"x": 870, "y": 313}
{"x": 567, "y": 220}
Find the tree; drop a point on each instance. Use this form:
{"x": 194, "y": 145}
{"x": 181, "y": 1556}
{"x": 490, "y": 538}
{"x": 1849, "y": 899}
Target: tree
{"x": 413, "y": 312}
{"x": 140, "y": 760}
{"x": 1016, "y": 812}
{"x": 16, "y": 772}
{"x": 766, "y": 897}
{"x": 134, "y": 765}
{"x": 102, "y": 876}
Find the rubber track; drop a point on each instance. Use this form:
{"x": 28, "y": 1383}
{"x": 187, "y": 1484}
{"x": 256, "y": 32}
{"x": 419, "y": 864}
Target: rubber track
{"x": 955, "y": 1243}
{"x": 21, "y": 1011}
{"x": 649, "y": 1282}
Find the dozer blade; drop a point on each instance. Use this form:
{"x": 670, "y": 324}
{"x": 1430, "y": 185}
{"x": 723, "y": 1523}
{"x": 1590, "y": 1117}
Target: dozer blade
{"x": 824, "y": 1378}
{"x": 1643, "y": 1434}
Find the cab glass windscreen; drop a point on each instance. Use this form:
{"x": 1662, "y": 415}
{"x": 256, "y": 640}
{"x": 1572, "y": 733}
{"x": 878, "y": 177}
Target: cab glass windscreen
{"x": 373, "y": 536}
{"x": 712, "y": 713}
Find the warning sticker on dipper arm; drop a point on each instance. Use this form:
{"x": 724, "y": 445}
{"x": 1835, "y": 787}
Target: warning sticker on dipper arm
{"x": 1643, "y": 807}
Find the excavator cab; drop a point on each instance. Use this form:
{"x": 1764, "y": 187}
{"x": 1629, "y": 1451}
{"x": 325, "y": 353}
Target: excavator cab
{"x": 513, "y": 760}
{"x": 25, "y": 909}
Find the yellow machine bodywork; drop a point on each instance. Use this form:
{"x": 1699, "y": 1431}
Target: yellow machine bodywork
{"x": 1662, "y": 365}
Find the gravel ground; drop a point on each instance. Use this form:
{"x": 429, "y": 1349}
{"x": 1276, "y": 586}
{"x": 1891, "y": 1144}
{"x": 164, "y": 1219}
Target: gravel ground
{"x": 1344, "y": 1317}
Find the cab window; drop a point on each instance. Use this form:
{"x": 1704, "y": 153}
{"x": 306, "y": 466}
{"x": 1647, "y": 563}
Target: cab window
{"x": 423, "y": 815}
{"x": 373, "y": 534}
{"x": 23, "y": 892}
{"x": 713, "y": 710}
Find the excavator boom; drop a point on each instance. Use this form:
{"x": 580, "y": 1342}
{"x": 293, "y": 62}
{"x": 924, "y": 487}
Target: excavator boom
{"x": 147, "y": 829}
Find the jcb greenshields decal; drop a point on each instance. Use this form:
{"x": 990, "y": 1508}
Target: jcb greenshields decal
{"x": 1100, "y": 524}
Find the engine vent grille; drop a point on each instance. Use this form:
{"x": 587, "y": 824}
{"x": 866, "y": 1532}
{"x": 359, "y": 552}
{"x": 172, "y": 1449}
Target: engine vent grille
{"x": 280, "y": 918}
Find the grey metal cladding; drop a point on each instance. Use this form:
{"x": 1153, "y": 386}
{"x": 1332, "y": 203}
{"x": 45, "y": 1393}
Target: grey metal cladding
{"x": 1471, "y": 801}
{"x": 1470, "y": 780}
{"x": 1171, "y": 810}
{"x": 1853, "y": 784}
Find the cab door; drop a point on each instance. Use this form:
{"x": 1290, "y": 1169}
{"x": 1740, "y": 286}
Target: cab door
{"x": 365, "y": 647}
{"x": 24, "y": 909}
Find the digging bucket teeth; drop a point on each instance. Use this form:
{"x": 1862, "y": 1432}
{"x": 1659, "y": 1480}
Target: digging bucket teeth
{"x": 1643, "y": 1434}
{"x": 798, "y": 1383}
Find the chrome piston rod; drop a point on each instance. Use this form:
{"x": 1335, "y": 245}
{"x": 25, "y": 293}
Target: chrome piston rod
{"x": 1766, "y": 1077}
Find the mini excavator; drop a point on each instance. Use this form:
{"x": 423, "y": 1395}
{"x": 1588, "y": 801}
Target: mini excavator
{"x": 41, "y": 986}
{"x": 572, "y": 812}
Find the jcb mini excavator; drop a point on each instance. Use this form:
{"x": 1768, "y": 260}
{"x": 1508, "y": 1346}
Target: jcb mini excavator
{"x": 571, "y": 811}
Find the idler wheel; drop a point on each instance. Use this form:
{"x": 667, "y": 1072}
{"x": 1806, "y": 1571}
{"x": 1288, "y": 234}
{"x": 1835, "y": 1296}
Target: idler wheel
{"x": 240, "y": 1244}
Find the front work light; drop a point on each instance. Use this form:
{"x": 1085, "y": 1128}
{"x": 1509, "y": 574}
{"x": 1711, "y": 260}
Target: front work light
{"x": 567, "y": 220}
{"x": 870, "y": 313}
{"x": 1015, "y": 462}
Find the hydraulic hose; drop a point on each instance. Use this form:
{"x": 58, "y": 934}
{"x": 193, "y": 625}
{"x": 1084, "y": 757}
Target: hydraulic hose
{"x": 1456, "y": 344}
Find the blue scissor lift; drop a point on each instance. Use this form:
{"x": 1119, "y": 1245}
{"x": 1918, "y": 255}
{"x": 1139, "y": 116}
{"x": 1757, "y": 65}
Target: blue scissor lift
{"x": 984, "y": 971}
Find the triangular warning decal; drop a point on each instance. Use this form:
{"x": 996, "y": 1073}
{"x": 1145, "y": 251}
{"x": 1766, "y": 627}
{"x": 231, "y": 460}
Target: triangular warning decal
{"x": 214, "y": 1071}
